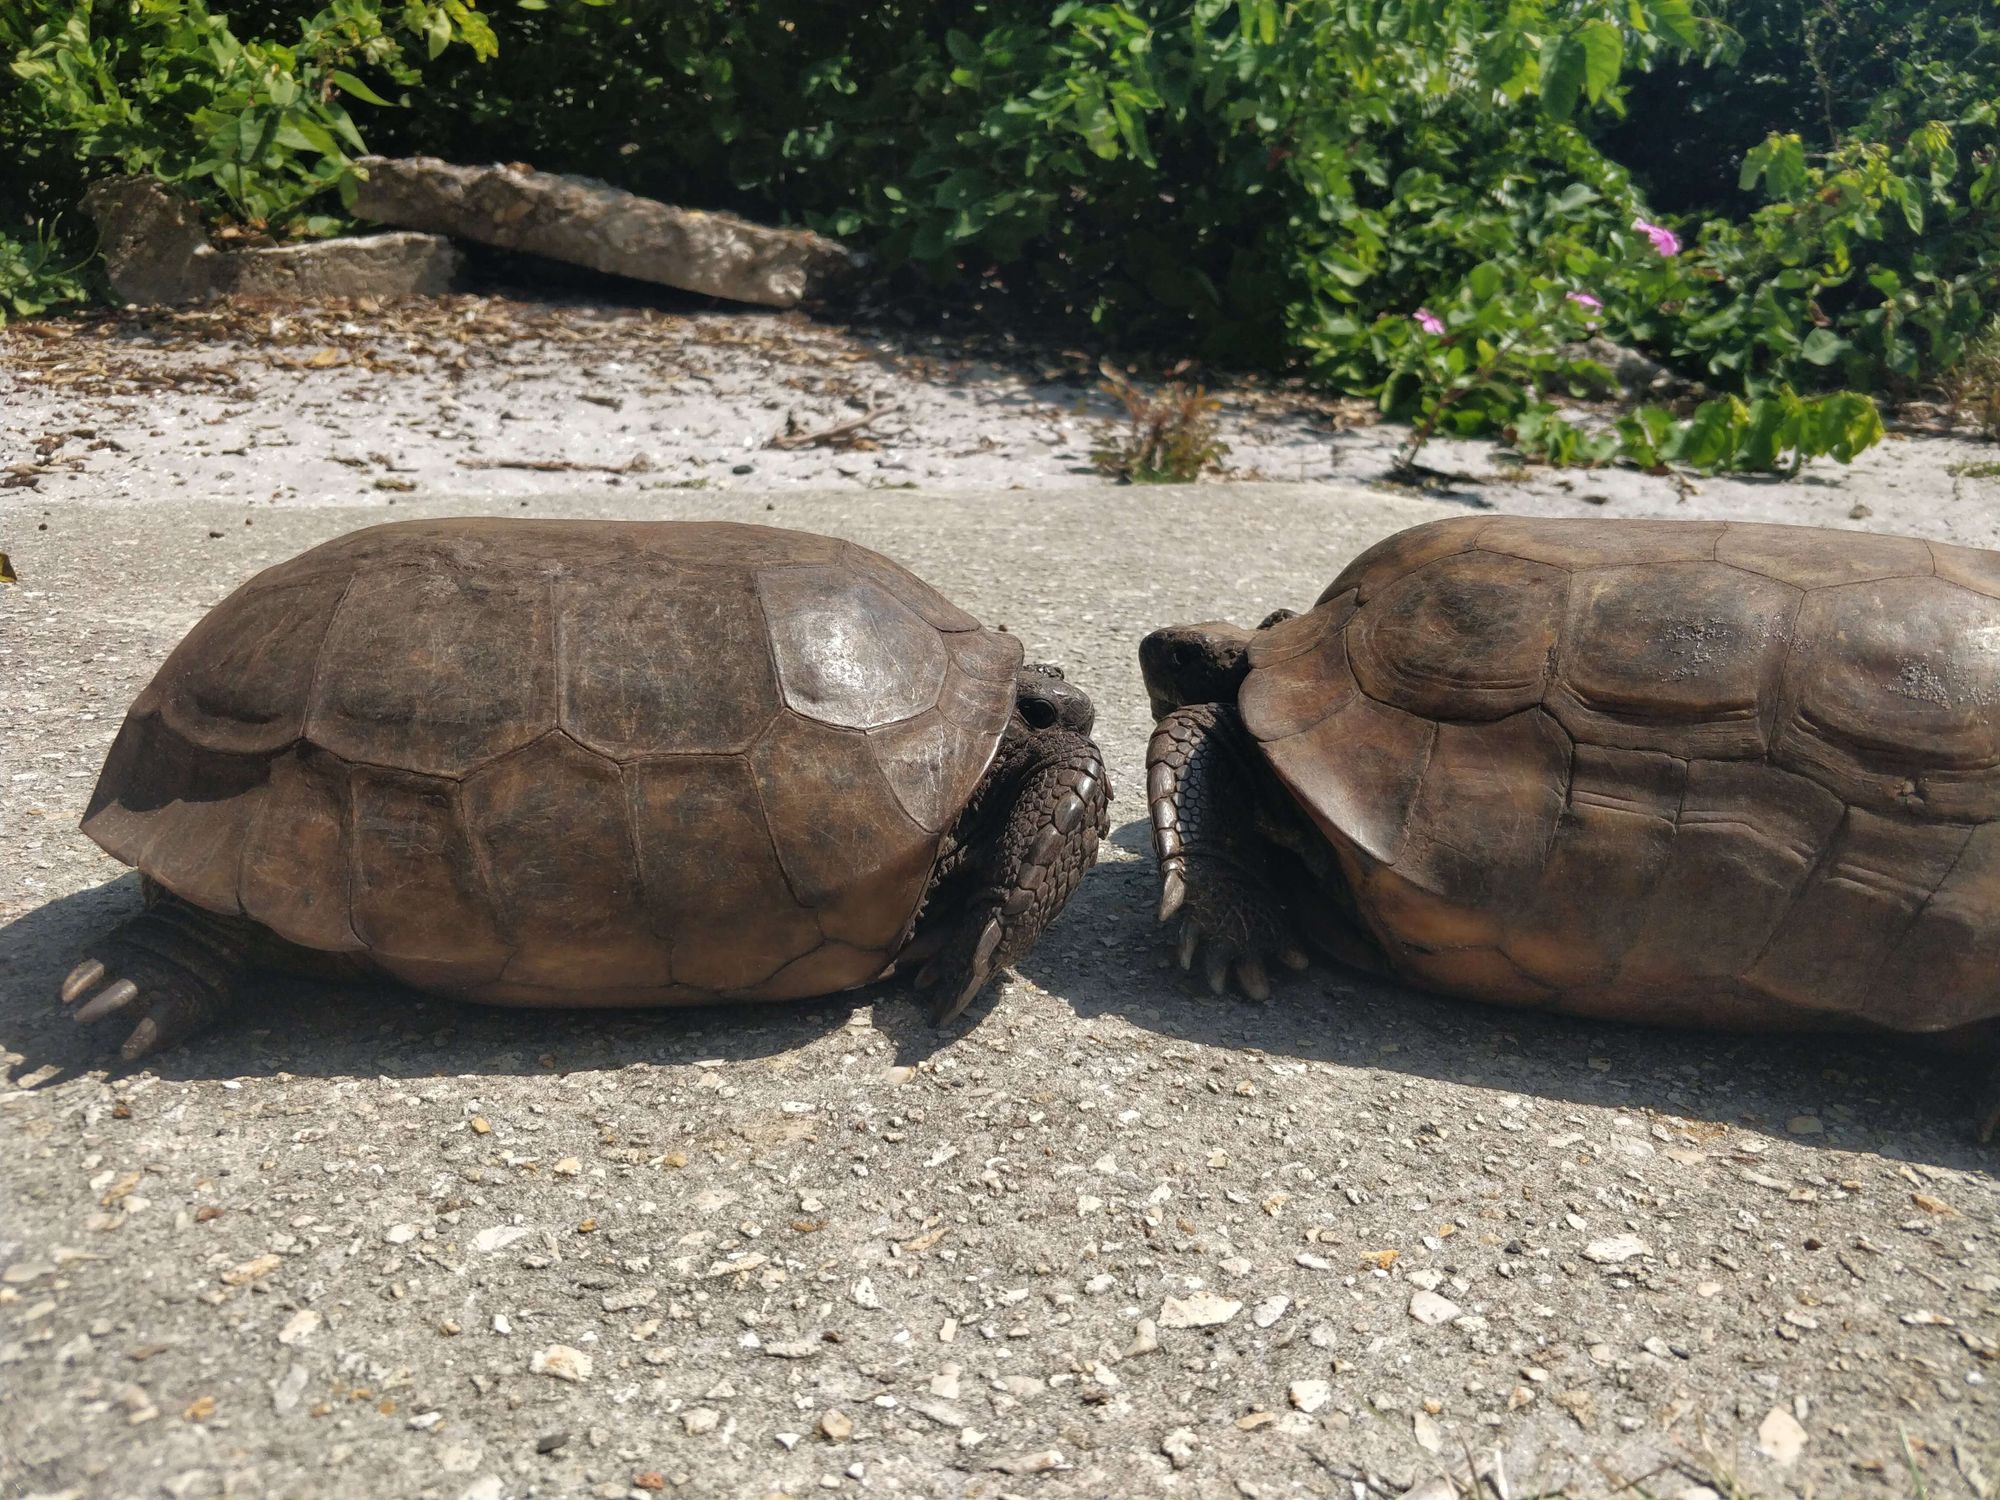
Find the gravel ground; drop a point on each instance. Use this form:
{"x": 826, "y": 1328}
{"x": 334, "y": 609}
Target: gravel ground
{"x": 1106, "y": 1237}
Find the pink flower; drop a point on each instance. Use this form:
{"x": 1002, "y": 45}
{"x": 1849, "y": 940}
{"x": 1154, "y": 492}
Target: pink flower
{"x": 1664, "y": 239}
{"x": 1586, "y": 300}
{"x": 1429, "y": 321}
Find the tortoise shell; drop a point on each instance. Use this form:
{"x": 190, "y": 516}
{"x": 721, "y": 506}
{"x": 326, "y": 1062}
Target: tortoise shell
{"x": 1696, "y": 772}
{"x": 567, "y": 762}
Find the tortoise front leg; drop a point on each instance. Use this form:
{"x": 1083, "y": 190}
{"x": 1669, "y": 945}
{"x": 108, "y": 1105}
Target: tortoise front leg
{"x": 1204, "y": 787}
{"x": 171, "y": 970}
{"x": 1024, "y": 846}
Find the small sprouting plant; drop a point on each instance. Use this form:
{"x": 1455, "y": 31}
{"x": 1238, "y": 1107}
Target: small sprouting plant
{"x": 1168, "y": 436}
{"x": 1974, "y": 387}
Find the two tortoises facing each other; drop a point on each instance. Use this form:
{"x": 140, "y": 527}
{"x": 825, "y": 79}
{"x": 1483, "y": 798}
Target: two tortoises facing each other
{"x": 588, "y": 764}
{"x": 1706, "y": 773}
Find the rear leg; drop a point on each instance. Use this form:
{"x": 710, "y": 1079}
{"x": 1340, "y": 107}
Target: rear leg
{"x": 1221, "y": 871}
{"x": 168, "y": 972}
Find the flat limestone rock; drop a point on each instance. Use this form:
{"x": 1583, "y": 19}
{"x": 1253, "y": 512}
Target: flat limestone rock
{"x": 156, "y": 253}
{"x": 590, "y": 223}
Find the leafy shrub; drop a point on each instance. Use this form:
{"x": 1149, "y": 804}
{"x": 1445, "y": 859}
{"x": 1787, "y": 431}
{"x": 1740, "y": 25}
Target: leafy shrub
{"x": 1974, "y": 389}
{"x": 1256, "y": 182}
{"x": 255, "y": 128}
{"x": 1169, "y": 435}
{"x": 35, "y": 275}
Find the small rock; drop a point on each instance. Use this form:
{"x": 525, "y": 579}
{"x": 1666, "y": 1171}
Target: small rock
{"x": 701, "y": 1419}
{"x": 794, "y": 1348}
{"x": 837, "y": 1426}
{"x": 1309, "y": 1395}
{"x": 1431, "y": 1309}
{"x": 1426, "y": 1280}
{"x": 1179, "y": 1446}
{"x": 1267, "y": 1312}
{"x": 400, "y": 1234}
{"x": 550, "y": 1442}
{"x": 1429, "y": 1436}
{"x": 560, "y": 1362}
{"x": 1618, "y": 1248}
{"x": 1043, "y": 1462}
{"x": 499, "y": 1237}
{"x": 641, "y": 1296}
{"x": 485, "y": 1487}
{"x": 1780, "y": 1438}
{"x": 1805, "y": 1125}
{"x": 1145, "y": 1339}
{"x": 1201, "y": 1310}
{"x": 945, "y": 1383}
{"x": 299, "y": 1327}
{"x": 864, "y": 1294}
{"x": 286, "y": 1394}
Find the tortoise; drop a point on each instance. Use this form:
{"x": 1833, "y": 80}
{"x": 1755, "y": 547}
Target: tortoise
{"x": 588, "y": 763}
{"x": 1702, "y": 773}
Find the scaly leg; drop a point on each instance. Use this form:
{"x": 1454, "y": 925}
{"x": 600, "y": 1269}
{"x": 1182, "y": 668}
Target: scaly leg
{"x": 171, "y": 970}
{"x": 1017, "y": 864}
{"x": 1204, "y": 783}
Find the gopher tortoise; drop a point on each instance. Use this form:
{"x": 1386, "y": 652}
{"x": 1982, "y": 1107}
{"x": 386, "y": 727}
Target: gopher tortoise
{"x": 588, "y": 763}
{"x": 1703, "y": 773}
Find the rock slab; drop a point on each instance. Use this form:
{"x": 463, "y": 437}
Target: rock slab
{"x": 591, "y": 223}
{"x": 156, "y": 253}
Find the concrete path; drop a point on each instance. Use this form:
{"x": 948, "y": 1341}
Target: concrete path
{"x": 1110, "y": 1237}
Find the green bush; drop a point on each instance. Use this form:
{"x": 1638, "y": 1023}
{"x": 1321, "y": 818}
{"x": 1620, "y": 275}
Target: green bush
{"x": 1256, "y": 183}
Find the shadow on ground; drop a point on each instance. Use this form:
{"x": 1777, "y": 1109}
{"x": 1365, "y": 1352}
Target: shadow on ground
{"x": 1106, "y": 957}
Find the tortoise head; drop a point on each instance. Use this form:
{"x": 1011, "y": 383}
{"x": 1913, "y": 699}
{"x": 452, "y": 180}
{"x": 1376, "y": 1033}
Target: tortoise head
{"x": 1185, "y": 664}
{"x": 1044, "y": 700}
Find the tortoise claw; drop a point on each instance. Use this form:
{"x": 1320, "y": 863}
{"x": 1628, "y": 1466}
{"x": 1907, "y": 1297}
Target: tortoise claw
{"x": 1190, "y": 940}
{"x": 1173, "y": 893}
{"x": 1251, "y": 976}
{"x": 1218, "y": 968}
{"x": 116, "y": 998}
{"x": 84, "y": 978}
{"x": 953, "y": 1005}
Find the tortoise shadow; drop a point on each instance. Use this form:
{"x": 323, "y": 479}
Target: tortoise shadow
{"x": 1106, "y": 957}
{"x": 311, "y": 1028}
{"x": 1897, "y": 1100}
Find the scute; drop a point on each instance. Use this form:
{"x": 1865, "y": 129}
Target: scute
{"x": 932, "y": 764}
{"x": 1297, "y": 691}
{"x": 238, "y": 681}
{"x": 549, "y": 828}
{"x": 295, "y": 864}
{"x": 849, "y": 653}
{"x": 177, "y": 811}
{"x": 1576, "y": 545}
{"x": 848, "y": 848}
{"x": 1405, "y": 552}
{"x": 926, "y": 602}
{"x": 1679, "y": 657}
{"x": 663, "y": 660}
{"x": 1807, "y": 558}
{"x": 418, "y": 897}
{"x": 713, "y": 884}
{"x": 1467, "y": 637}
{"x": 1895, "y": 681}
{"x": 436, "y": 670}
{"x": 1357, "y": 772}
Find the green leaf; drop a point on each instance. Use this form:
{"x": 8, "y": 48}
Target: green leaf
{"x": 1484, "y": 281}
{"x": 347, "y": 83}
{"x": 1674, "y": 19}
{"x": 1823, "y": 346}
{"x": 1563, "y": 70}
{"x": 1603, "y": 48}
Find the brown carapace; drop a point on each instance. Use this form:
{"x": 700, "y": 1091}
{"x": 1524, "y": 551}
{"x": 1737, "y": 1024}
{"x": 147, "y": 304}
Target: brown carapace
{"x": 1706, "y": 773}
{"x": 588, "y": 763}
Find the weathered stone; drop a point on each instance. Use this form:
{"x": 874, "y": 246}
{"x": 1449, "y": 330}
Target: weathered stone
{"x": 591, "y": 223}
{"x": 156, "y": 252}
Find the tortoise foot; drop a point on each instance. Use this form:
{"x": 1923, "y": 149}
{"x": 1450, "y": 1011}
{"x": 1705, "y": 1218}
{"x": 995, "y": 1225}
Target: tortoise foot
{"x": 165, "y": 974}
{"x": 1048, "y": 843}
{"x": 1232, "y": 922}
{"x": 1203, "y": 794}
